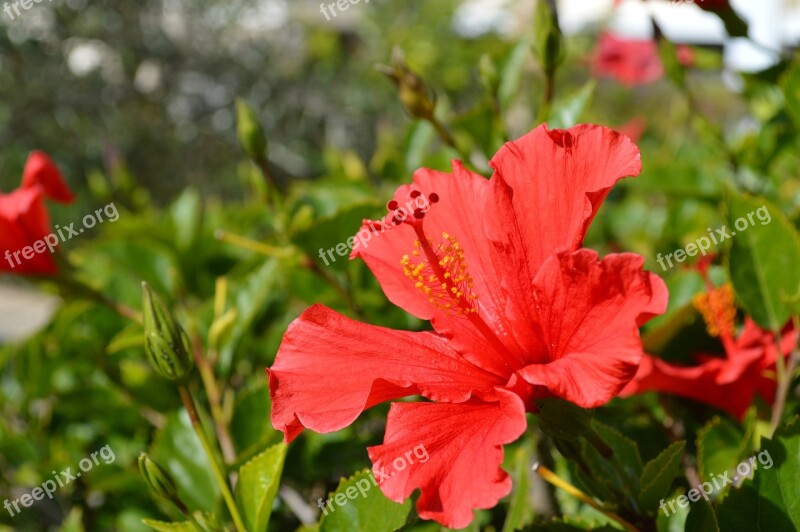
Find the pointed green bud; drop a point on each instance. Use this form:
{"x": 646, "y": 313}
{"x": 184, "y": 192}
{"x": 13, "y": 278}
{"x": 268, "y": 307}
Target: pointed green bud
{"x": 158, "y": 480}
{"x": 548, "y": 43}
{"x": 563, "y": 420}
{"x": 415, "y": 96}
{"x": 166, "y": 344}
{"x": 251, "y": 134}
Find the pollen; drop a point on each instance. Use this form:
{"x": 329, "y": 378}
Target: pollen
{"x": 718, "y": 310}
{"x": 440, "y": 271}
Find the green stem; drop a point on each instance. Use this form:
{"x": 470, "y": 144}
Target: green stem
{"x": 188, "y": 402}
{"x": 448, "y": 139}
{"x": 549, "y": 94}
{"x": 784, "y": 374}
{"x": 83, "y": 290}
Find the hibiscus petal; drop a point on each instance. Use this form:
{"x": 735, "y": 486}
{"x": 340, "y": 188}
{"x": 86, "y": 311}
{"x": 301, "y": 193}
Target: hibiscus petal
{"x": 330, "y": 368}
{"x": 558, "y": 179}
{"x": 700, "y": 383}
{"x": 23, "y": 221}
{"x": 463, "y": 444}
{"x": 589, "y": 311}
{"x": 41, "y": 171}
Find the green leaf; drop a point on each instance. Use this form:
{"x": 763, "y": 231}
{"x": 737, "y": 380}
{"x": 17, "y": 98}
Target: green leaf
{"x": 520, "y": 510}
{"x": 249, "y": 431}
{"x": 162, "y": 526}
{"x": 568, "y": 111}
{"x": 251, "y": 296}
{"x": 771, "y": 501}
{"x": 625, "y": 449}
{"x": 561, "y": 419}
{"x": 359, "y": 504}
{"x": 258, "y": 484}
{"x": 701, "y": 518}
{"x": 74, "y": 521}
{"x": 658, "y": 475}
{"x": 782, "y": 454}
{"x": 718, "y": 446}
{"x": 338, "y": 230}
{"x": 187, "y": 214}
{"x": 179, "y": 451}
{"x": 512, "y": 73}
{"x": 669, "y": 58}
{"x": 791, "y": 91}
{"x": 767, "y": 283}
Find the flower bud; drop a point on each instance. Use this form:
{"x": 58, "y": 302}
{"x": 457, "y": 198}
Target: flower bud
{"x": 251, "y": 134}
{"x": 418, "y": 100}
{"x": 166, "y": 344}
{"x": 549, "y": 43}
{"x": 158, "y": 480}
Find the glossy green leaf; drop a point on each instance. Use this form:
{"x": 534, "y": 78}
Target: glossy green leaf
{"x": 701, "y": 518}
{"x": 179, "y": 451}
{"x": 258, "y": 484}
{"x": 771, "y": 500}
{"x": 718, "y": 447}
{"x": 569, "y": 110}
{"x": 765, "y": 282}
{"x": 359, "y": 504}
{"x": 658, "y": 474}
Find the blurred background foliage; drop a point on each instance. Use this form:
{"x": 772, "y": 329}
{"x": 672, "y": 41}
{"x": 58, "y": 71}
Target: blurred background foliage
{"x": 135, "y": 101}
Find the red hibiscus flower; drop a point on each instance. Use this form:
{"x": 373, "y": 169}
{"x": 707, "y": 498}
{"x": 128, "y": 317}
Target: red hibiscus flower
{"x": 24, "y": 219}
{"x": 728, "y": 383}
{"x": 630, "y": 61}
{"x": 519, "y": 310}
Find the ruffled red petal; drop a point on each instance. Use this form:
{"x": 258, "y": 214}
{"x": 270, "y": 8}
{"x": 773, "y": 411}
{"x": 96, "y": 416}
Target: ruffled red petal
{"x": 700, "y": 383}
{"x": 462, "y": 445}
{"x": 589, "y": 311}
{"x": 330, "y": 368}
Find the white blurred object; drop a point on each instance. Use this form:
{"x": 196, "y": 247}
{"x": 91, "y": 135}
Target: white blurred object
{"x": 764, "y": 20}
{"x": 23, "y": 312}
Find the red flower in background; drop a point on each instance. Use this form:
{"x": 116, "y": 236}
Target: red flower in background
{"x": 519, "y": 311}
{"x": 728, "y": 383}
{"x": 24, "y": 218}
{"x": 632, "y": 61}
